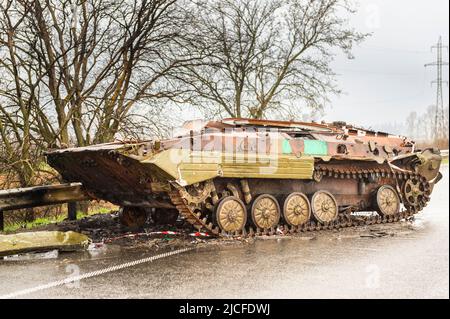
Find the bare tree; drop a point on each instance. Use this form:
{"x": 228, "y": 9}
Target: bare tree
{"x": 73, "y": 72}
{"x": 412, "y": 124}
{"x": 77, "y": 72}
{"x": 261, "y": 55}
{"x": 421, "y": 127}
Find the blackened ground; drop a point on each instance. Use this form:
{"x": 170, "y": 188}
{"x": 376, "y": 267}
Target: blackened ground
{"x": 107, "y": 228}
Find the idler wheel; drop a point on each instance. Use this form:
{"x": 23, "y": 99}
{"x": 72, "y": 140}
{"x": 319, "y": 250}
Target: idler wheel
{"x": 231, "y": 214}
{"x": 414, "y": 192}
{"x": 265, "y": 212}
{"x": 132, "y": 217}
{"x": 387, "y": 201}
{"x": 296, "y": 209}
{"x": 324, "y": 206}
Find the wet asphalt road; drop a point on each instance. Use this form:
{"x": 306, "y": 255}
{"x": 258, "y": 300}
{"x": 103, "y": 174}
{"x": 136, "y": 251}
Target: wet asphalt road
{"x": 405, "y": 260}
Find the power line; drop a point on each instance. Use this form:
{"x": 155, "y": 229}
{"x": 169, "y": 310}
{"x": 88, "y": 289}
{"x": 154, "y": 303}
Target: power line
{"x": 439, "y": 121}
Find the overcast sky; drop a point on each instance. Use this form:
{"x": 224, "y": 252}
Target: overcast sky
{"x": 387, "y": 79}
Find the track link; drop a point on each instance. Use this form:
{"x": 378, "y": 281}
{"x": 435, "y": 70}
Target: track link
{"x": 188, "y": 212}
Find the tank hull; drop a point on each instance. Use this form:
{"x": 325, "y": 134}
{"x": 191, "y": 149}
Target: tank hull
{"x": 222, "y": 175}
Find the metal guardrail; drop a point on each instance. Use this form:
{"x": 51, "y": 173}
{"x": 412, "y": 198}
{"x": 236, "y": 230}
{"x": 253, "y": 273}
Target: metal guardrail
{"x": 18, "y": 198}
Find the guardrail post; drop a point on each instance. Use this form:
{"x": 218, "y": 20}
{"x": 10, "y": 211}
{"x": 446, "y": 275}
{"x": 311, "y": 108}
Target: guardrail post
{"x": 72, "y": 210}
{"x": 2, "y": 223}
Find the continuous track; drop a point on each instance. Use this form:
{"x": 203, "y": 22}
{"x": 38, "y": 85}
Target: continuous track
{"x": 345, "y": 219}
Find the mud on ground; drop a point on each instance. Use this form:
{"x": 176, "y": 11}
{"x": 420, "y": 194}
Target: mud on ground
{"x": 105, "y": 229}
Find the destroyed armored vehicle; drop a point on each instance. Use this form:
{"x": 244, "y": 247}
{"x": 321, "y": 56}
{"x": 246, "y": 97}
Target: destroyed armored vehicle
{"x": 246, "y": 176}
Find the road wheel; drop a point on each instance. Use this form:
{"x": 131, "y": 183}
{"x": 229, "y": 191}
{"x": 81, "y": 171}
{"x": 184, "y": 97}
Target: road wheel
{"x": 324, "y": 206}
{"x": 231, "y": 214}
{"x": 296, "y": 209}
{"x": 387, "y": 201}
{"x": 265, "y": 211}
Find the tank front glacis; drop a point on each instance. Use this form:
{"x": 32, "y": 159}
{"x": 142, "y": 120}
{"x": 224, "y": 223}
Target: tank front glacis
{"x": 235, "y": 174}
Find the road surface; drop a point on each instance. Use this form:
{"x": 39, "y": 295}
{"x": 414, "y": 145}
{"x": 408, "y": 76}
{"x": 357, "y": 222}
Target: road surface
{"x": 405, "y": 260}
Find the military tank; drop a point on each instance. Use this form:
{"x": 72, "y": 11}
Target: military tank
{"x": 251, "y": 177}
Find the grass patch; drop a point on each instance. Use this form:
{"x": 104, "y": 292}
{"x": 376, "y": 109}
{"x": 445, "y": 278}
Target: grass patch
{"x": 41, "y": 221}
{"x": 99, "y": 210}
{"x": 445, "y": 160}
{"x": 44, "y": 221}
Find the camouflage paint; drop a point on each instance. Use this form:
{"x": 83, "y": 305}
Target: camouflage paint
{"x": 315, "y": 147}
{"x": 189, "y": 167}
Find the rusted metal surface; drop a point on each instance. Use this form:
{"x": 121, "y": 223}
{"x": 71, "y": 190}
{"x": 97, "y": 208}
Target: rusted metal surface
{"x": 19, "y": 198}
{"x": 219, "y": 149}
{"x": 112, "y": 177}
{"x": 214, "y": 173}
{"x": 347, "y": 203}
